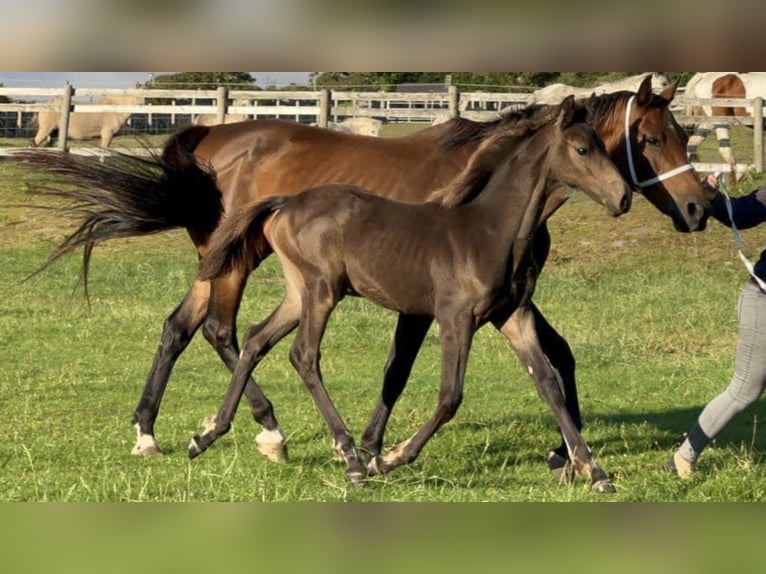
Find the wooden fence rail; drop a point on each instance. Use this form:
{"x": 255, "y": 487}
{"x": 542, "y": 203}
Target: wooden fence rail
{"x": 322, "y": 106}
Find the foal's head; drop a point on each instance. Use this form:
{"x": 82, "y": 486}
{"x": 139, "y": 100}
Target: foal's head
{"x": 577, "y": 158}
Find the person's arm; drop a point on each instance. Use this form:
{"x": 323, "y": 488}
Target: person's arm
{"x": 748, "y": 210}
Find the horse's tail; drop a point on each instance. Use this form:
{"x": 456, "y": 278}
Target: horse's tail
{"x": 229, "y": 247}
{"x": 126, "y": 196}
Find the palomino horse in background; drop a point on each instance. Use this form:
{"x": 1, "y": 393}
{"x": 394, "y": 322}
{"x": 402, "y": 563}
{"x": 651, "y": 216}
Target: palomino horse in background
{"x": 721, "y": 85}
{"x": 449, "y": 260}
{"x": 554, "y": 93}
{"x": 207, "y": 171}
{"x": 86, "y": 125}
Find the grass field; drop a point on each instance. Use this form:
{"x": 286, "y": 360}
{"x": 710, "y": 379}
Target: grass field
{"x": 649, "y": 313}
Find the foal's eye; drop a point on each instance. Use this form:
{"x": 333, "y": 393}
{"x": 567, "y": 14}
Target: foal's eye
{"x": 582, "y": 151}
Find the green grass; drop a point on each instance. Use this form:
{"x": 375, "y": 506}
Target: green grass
{"x": 649, "y": 313}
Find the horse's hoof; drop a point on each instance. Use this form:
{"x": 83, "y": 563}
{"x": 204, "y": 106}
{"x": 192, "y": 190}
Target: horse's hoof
{"x": 272, "y": 445}
{"x": 145, "y": 446}
{"x": 194, "y": 448}
{"x": 560, "y": 468}
{"x": 603, "y": 487}
{"x": 139, "y": 450}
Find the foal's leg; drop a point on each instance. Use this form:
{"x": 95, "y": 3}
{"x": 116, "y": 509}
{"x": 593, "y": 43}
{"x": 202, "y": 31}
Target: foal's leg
{"x": 560, "y": 355}
{"x": 221, "y": 332}
{"x": 411, "y": 330}
{"x": 177, "y": 332}
{"x": 258, "y": 341}
{"x": 456, "y": 335}
{"x": 519, "y": 328}
{"x": 305, "y": 355}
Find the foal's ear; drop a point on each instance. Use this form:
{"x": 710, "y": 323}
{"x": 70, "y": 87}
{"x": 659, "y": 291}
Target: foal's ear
{"x": 644, "y": 93}
{"x": 566, "y": 112}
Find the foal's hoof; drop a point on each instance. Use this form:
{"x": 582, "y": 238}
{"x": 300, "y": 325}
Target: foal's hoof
{"x": 356, "y": 477}
{"x": 272, "y": 445}
{"x": 560, "y": 468}
{"x": 603, "y": 486}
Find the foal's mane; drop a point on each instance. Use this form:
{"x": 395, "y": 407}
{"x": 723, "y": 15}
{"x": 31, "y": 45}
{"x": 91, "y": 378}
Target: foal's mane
{"x": 504, "y": 134}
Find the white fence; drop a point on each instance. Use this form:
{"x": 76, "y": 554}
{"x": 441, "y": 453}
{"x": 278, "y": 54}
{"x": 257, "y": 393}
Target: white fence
{"x": 167, "y": 110}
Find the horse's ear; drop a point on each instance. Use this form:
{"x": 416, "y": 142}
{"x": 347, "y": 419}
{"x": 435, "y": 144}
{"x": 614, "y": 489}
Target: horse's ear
{"x": 566, "y": 112}
{"x": 644, "y": 93}
{"x": 669, "y": 91}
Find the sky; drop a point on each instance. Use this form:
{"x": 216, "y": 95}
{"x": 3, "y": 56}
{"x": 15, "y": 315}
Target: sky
{"x": 122, "y": 79}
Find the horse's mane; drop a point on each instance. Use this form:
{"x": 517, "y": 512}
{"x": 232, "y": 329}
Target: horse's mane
{"x": 504, "y": 133}
{"x": 460, "y": 131}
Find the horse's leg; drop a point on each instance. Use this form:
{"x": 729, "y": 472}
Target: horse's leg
{"x": 304, "y": 356}
{"x": 220, "y": 330}
{"x": 410, "y": 332}
{"x": 699, "y": 135}
{"x": 258, "y": 341}
{"x": 107, "y": 135}
{"x": 177, "y": 332}
{"x": 560, "y": 355}
{"x": 456, "y": 335}
{"x": 724, "y": 148}
{"x": 519, "y": 328}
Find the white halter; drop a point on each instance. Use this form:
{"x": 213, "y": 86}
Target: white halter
{"x": 657, "y": 179}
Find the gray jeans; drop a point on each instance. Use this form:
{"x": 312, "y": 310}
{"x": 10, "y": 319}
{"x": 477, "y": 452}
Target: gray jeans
{"x": 749, "y": 378}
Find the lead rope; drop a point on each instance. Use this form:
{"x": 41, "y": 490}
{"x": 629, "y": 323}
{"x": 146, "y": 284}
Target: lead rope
{"x": 657, "y": 179}
{"x": 738, "y": 238}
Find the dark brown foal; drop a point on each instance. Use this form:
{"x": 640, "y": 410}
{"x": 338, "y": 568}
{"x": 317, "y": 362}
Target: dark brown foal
{"x": 452, "y": 261}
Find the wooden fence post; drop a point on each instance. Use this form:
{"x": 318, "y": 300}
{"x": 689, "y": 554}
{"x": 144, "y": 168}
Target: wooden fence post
{"x": 221, "y": 97}
{"x": 758, "y": 134}
{"x": 324, "y": 108}
{"x": 453, "y": 95}
{"x": 66, "y": 106}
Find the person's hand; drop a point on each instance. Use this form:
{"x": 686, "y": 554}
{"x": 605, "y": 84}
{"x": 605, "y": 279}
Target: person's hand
{"x": 710, "y": 185}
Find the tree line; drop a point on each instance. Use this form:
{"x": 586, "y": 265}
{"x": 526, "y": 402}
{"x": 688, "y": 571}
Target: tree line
{"x": 389, "y": 80}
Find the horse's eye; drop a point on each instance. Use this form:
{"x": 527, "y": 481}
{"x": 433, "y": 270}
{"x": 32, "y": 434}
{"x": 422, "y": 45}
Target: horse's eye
{"x": 582, "y": 151}
{"x": 653, "y": 141}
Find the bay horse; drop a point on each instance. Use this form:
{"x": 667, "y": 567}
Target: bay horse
{"x": 86, "y": 125}
{"x": 452, "y": 259}
{"x": 722, "y": 85}
{"x": 204, "y": 172}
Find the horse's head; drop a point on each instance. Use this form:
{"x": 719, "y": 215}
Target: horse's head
{"x": 650, "y": 150}
{"x": 579, "y": 160}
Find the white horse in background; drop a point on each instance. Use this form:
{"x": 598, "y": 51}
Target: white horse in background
{"x": 721, "y": 85}
{"x": 555, "y": 93}
{"x": 85, "y": 125}
{"x": 360, "y": 126}
{"x": 212, "y": 119}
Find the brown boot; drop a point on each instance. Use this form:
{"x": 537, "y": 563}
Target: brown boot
{"x": 679, "y": 466}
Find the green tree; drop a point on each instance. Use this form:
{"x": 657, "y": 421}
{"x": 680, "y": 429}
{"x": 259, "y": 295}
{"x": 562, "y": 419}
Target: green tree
{"x": 203, "y": 80}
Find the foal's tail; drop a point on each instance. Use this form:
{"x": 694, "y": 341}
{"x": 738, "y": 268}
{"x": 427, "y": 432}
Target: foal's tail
{"x": 229, "y": 247}
{"x": 127, "y": 196}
